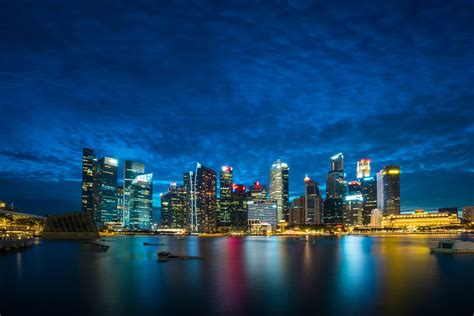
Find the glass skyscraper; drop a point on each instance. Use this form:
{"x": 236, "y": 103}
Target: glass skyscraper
{"x": 131, "y": 170}
{"x": 239, "y": 206}
{"x": 313, "y": 202}
{"x": 88, "y": 161}
{"x": 173, "y": 207}
{"x": 225, "y": 196}
{"x": 204, "y": 200}
{"x": 105, "y": 187}
{"x": 335, "y": 190}
{"x": 279, "y": 189}
{"x": 388, "y": 190}
{"x": 141, "y": 202}
{"x": 369, "y": 193}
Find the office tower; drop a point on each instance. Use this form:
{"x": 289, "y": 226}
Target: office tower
{"x": 297, "y": 214}
{"x": 369, "y": 194}
{"x": 363, "y": 168}
{"x": 173, "y": 207}
{"x": 187, "y": 185}
{"x": 313, "y": 202}
{"x": 353, "y": 210}
{"x": 257, "y": 191}
{"x": 204, "y": 200}
{"x": 450, "y": 210}
{"x": 388, "y": 190}
{"x": 141, "y": 202}
{"x": 225, "y": 196}
{"x": 376, "y": 217}
{"x": 105, "y": 187}
{"x": 335, "y": 189}
{"x": 88, "y": 161}
{"x": 335, "y": 184}
{"x": 131, "y": 170}
{"x": 468, "y": 213}
{"x": 263, "y": 211}
{"x": 354, "y": 187}
{"x": 238, "y": 207}
{"x": 120, "y": 209}
{"x": 279, "y": 189}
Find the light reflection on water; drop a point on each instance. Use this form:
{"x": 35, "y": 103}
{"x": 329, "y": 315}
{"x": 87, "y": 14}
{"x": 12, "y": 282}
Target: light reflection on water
{"x": 240, "y": 276}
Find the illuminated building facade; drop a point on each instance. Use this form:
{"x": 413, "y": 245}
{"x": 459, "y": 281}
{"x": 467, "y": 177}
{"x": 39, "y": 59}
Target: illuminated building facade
{"x": 363, "y": 168}
{"x": 313, "y": 202}
{"x": 297, "y": 212}
{"x": 204, "y": 200}
{"x": 88, "y": 161}
{"x": 369, "y": 195}
{"x": 105, "y": 196}
{"x": 353, "y": 210}
{"x": 468, "y": 213}
{"x": 141, "y": 202}
{"x": 279, "y": 189}
{"x": 258, "y": 191}
{"x": 335, "y": 189}
{"x": 225, "y": 196}
{"x": 420, "y": 219}
{"x": 120, "y": 205}
{"x": 173, "y": 207}
{"x": 131, "y": 170}
{"x": 263, "y": 211}
{"x": 239, "y": 206}
{"x": 187, "y": 185}
{"x": 389, "y": 190}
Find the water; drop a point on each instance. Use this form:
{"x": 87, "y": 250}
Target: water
{"x": 350, "y": 275}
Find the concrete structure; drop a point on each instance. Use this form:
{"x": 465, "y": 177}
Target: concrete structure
{"x": 420, "y": 218}
{"x": 297, "y": 214}
{"x": 468, "y": 213}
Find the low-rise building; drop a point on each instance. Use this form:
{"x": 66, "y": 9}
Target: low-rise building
{"x": 420, "y": 218}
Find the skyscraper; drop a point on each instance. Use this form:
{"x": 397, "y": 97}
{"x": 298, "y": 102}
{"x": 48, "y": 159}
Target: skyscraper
{"x": 141, "y": 202}
{"x": 105, "y": 187}
{"x": 335, "y": 183}
{"x": 258, "y": 191}
{"x": 225, "y": 196}
{"x": 353, "y": 210}
{"x": 131, "y": 170}
{"x": 173, "y": 207}
{"x": 335, "y": 189}
{"x": 204, "y": 200}
{"x": 468, "y": 213}
{"x": 279, "y": 189}
{"x": 239, "y": 206}
{"x": 297, "y": 214}
{"x": 88, "y": 161}
{"x": 369, "y": 194}
{"x": 263, "y": 211}
{"x": 313, "y": 202}
{"x": 388, "y": 190}
{"x": 363, "y": 168}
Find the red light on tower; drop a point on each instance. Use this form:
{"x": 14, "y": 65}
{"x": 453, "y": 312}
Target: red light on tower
{"x": 257, "y": 185}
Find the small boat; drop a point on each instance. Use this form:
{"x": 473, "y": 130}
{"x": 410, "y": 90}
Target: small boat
{"x": 453, "y": 246}
{"x": 165, "y": 256}
{"x": 152, "y": 244}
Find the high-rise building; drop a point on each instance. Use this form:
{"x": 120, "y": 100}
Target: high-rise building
{"x": 354, "y": 187}
{"x": 376, "y": 218}
{"x": 257, "y": 191}
{"x": 263, "y": 211}
{"x": 131, "y": 170}
{"x": 173, "y": 207}
{"x": 187, "y": 185}
{"x": 369, "y": 194}
{"x": 297, "y": 214}
{"x": 335, "y": 190}
{"x": 225, "y": 196}
{"x": 105, "y": 196}
{"x": 389, "y": 190}
{"x": 239, "y": 206}
{"x": 204, "y": 200}
{"x": 141, "y": 202}
{"x": 88, "y": 161}
{"x": 313, "y": 202}
{"x": 363, "y": 168}
{"x": 468, "y": 213}
{"x": 353, "y": 210}
{"x": 335, "y": 183}
{"x": 279, "y": 189}
{"x": 120, "y": 205}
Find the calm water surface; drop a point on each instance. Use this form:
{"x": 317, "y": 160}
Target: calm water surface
{"x": 350, "y": 275}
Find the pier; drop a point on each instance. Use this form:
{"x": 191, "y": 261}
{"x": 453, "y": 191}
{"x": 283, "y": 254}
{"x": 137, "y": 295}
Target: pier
{"x": 15, "y": 242}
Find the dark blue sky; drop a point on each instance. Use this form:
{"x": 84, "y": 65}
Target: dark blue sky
{"x": 240, "y": 84}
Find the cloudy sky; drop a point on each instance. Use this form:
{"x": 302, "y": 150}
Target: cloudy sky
{"x": 241, "y": 83}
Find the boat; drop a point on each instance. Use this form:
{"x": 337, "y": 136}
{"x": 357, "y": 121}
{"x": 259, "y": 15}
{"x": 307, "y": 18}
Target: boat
{"x": 453, "y": 246}
{"x": 164, "y": 256}
{"x": 152, "y": 244}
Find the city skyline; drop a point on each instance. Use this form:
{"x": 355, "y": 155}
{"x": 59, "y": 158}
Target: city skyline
{"x": 238, "y": 85}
